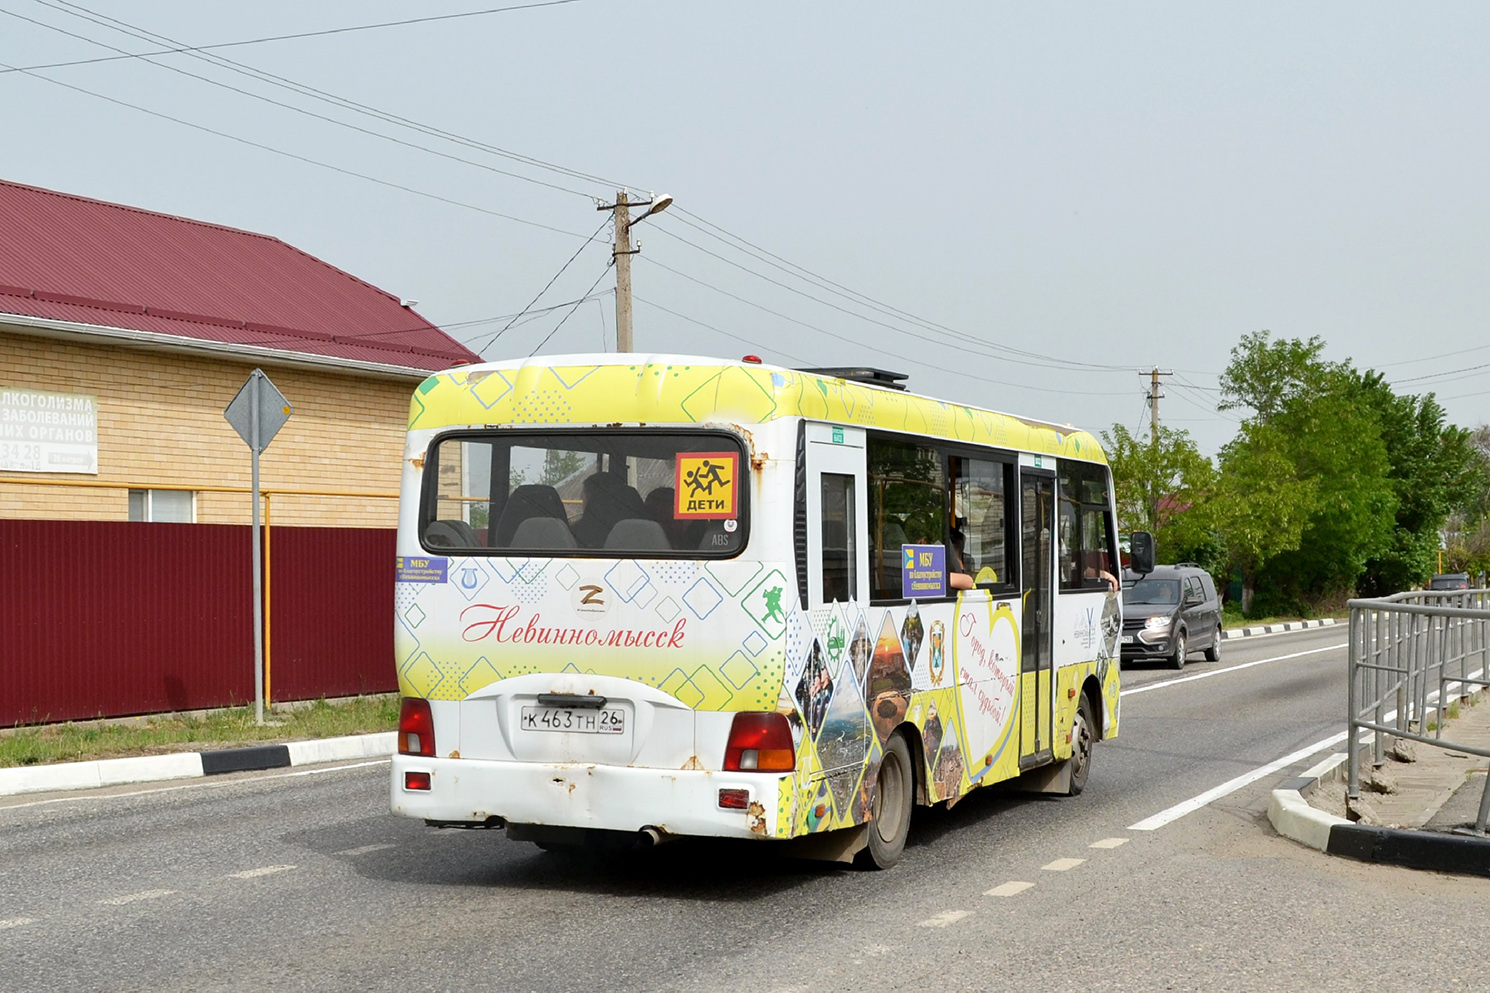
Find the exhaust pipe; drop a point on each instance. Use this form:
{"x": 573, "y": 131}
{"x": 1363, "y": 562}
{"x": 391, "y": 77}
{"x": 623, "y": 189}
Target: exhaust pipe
{"x": 649, "y": 837}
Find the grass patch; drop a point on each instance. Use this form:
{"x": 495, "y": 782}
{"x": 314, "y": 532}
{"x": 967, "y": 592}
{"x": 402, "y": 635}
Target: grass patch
{"x": 1237, "y": 621}
{"x": 158, "y": 735}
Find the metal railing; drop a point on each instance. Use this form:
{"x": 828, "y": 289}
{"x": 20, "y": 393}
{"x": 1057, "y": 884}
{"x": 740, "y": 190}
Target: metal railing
{"x": 1412, "y": 656}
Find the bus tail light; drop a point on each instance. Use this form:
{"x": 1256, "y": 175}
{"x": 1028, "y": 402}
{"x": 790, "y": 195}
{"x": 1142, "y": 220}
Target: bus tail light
{"x": 760, "y": 742}
{"x": 416, "y": 781}
{"x": 416, "y": 728}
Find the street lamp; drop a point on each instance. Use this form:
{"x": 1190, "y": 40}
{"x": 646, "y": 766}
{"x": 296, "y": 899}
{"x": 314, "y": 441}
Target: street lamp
{"x": 622, "y": 255}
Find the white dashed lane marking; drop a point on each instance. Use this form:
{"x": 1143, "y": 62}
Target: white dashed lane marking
{"x": 1062, "y": 865}
{"x": 945, "y": 917}
{"x": 1108, "y": 843}
{"x": 11, "y": 922}
{"x": 266, "y": 870}
{"x": 364, "y": 850}
{"x": 119, "y": 901}
{"x": 1009, "y": 889}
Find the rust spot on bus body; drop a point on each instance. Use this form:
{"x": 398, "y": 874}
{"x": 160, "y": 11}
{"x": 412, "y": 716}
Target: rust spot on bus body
{"x": 755, "y": 814}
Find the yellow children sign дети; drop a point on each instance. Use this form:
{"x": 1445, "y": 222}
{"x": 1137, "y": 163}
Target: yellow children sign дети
{"x": 705, "y": 485}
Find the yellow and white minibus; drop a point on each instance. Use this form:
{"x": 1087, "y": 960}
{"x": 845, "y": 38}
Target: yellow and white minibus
{"x": 656, "y": 596}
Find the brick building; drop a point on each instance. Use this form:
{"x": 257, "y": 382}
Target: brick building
{"x": 125, "y": 333}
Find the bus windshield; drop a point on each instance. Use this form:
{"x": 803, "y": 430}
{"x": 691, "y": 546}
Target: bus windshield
{"x": 594, "y": 493}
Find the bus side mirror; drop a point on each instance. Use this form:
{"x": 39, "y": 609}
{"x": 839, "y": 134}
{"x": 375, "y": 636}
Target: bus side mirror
{"x": 1141, "y": 552}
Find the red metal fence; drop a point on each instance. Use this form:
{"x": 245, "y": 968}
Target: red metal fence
{"x": 109, "y": 618}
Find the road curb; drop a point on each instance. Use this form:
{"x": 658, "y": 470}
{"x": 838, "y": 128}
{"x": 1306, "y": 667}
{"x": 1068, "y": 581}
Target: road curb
{"x": 1294, "y": 818}
{"x": 192, "y": 765}
{"x": 1248, "y": 632}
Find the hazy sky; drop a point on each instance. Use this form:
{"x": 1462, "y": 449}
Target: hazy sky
{"x": 1103, "y": 188}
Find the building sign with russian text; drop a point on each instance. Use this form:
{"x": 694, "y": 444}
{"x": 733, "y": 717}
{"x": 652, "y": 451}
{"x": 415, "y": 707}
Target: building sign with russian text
{"x": 48, "y": 432}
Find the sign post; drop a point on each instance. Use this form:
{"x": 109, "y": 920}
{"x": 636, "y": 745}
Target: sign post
{"x": 257, "y": 413}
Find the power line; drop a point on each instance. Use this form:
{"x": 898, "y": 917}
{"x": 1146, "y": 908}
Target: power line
{"x": 1452, "y": 374}
{"x": 299, "y": 158}
{"x": 300, "y": 110}
{"x": 861, "y": 299}
{"x": 899, "y": 329}
{"x": 301, "y": 34}
{"x": 603, "y": 273}
{"x": 492, "y": 340}
{"x": 864, "y": 344}
{"x": 303, "y": 89}
{"x": 727, "y": 334}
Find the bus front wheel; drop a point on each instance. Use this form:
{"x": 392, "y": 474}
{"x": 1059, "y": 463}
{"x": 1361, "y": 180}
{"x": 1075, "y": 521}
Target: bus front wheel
{"x": 1083, "y": 737}
{"x": 894, "y": 795}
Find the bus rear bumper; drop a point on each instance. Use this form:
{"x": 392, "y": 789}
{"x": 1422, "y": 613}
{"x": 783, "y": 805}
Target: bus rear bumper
{"x": 578, "y": 795}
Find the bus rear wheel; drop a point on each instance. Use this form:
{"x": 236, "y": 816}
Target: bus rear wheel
{"x": 894, "y": 795}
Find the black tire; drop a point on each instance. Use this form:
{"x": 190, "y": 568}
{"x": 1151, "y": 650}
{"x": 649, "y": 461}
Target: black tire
{"x": 1181, "y": 649}
{"x": 1213, "y": 654}
{"x": 894, "y": 795}
{"x": 1083, "y": 739}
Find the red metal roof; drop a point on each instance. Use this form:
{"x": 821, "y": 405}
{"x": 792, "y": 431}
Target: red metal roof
{"x": 69, "y": 258}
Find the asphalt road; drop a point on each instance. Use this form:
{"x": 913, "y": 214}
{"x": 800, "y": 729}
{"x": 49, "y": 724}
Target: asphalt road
{"x": 303, "y": 881}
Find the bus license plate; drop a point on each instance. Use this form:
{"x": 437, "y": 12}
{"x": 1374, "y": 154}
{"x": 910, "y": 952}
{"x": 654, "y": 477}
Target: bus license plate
{"x": 1127, "y": 639}
{"x": 606, "y": 720}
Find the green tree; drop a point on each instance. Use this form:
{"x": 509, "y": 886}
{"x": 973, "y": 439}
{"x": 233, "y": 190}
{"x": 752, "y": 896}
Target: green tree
{"x": 1432, "y": 470}
{"x": 1164, "y": 487}
{"x": 1261, "y": 503}
{"x": 559, "y": 465}
{"x": 1318, "y": 422}
{"x": 1269, "y": 376}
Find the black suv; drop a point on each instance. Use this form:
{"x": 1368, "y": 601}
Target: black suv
{"x": 1170, "y": 613}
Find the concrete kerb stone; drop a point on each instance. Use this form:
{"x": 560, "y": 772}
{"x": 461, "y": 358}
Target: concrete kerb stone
{"x": 1253, "y": 631}
{"x": 1294, "y": 818}
{"x": 188, "y": 765}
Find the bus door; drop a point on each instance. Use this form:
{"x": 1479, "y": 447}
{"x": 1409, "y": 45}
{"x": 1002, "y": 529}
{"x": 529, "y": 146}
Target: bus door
{"x": 1036, "y": 521}
{"x": 837, "y": 512}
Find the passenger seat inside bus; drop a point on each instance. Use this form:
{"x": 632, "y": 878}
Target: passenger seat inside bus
{"x": 531, "y": 501}
{"x": 541, "y": 534}
{"x": 608, "y": 501}
{"x": 450, "y": 534}
{"x": 635, "y": 534}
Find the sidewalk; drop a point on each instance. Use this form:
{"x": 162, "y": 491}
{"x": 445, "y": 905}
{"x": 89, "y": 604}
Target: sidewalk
{"x": 59, "y": 776}
{"x": 1413, "y": 811}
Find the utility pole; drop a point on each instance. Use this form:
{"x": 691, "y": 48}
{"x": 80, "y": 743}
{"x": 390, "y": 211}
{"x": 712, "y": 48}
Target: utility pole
{"x": 1154, "y": 397}
{"x": 622, "y": 253}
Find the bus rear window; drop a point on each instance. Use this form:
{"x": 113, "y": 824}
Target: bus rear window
{"x": 610, "y": 494}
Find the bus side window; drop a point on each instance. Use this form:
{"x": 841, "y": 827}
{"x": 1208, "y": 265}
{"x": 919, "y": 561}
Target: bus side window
{"x": 840, "y": 582}
{"x": 1086, "y": 536}
{"x": 907, "y": 505}
{"x": 981, "y": 492}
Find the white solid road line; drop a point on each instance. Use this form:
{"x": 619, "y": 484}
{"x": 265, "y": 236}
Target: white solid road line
{"x": 364, "y": 850}
{"x": 11, "y": 922}
{"x": 1179, "y": 810}
{"x": 119, "y": 901}
{"x": 1231, "y": 668}
{"x": 945, "y": 917}
{"x": 94, "y": 795}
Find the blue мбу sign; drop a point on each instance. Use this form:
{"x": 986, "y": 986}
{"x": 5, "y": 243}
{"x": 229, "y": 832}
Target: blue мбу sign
{"x": 415, "y": 570}
{"x": 923, "y": 571}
